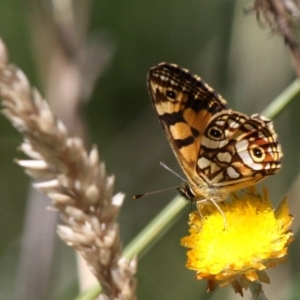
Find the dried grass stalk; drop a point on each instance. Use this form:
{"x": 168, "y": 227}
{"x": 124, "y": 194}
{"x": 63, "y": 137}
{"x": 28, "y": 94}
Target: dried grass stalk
{"x": 281, "y": 16}
{"x": 75, "y": 181}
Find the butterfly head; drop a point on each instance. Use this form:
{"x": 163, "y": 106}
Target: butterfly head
{"x": 186, "y": 192}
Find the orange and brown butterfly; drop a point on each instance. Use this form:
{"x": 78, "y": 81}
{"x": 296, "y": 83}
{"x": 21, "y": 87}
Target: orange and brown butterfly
{"x": 219, "y": 150}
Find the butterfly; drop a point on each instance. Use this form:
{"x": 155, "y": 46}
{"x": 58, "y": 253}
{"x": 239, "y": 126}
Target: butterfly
{"x": 218, "y": 149}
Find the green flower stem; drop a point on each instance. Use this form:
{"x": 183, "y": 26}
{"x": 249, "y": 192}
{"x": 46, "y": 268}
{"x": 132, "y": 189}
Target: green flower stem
{"x": 169, "y": 215}
{"x": 156, "y": 228}
{"x": 91, "y": 294}
{"x": 282, "y": 100}
{"x": 257, "y": 291}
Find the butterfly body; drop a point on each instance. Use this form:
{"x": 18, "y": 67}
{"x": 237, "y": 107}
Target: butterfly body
{"x": 219, "y": 150}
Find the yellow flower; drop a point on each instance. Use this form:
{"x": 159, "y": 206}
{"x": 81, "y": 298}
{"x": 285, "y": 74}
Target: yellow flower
{"x": 255, "y": 238}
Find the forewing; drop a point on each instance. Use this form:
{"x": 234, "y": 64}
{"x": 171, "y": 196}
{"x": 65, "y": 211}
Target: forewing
{"x": 185, "y": 105}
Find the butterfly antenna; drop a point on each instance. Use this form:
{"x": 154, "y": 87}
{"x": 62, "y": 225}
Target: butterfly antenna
{"x": 155, "y": 192}
{"x": 170, "y": 170}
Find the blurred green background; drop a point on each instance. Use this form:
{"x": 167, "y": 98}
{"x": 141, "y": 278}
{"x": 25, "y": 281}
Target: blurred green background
{"x": 247, "y": 64}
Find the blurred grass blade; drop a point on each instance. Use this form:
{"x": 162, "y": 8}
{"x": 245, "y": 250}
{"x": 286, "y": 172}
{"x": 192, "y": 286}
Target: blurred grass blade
{"x": 282, "y": 100}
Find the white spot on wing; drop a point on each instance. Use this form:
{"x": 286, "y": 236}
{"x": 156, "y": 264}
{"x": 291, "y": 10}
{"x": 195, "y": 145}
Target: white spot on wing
{"x": 224, "y": 157}
{"x": 220, "y": 122}
{"x": 213, "y": 144}
{"x": 245, "y": 155}
{"x": 233, "y": 124}
{"x": 270, "y": 152}
{"x": 241, "y": 145}
{"x": 203, "y": 163}
{"x": 232, "y": 173}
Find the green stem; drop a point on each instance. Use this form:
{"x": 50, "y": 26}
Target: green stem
{"x": 282, "y": 100}
{"x": 91, "y": 294}
{"x": 156, "y": 228}
{"x": 257, "y": 291}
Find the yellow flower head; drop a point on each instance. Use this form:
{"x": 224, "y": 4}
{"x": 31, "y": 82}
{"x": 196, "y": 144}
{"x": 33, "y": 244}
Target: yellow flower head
{"x": 255, "y": 238}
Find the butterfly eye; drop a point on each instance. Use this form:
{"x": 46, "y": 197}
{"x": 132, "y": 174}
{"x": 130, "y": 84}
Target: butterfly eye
{"x": 257, "y": 154}
{"x": 215, "y": 133}
{"x": 170, "y": 94}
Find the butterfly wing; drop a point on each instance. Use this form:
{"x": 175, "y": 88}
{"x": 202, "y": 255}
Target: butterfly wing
{"x": 238, "y": 151}
{"x": 185, "y": 105}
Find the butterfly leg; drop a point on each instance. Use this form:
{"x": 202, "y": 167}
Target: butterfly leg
{"x": 198, "y": 207}
{"x": 220, "y": 210}
{"x": 217, "y": 207}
